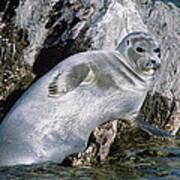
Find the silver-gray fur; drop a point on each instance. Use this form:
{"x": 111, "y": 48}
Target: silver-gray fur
{"x": 56, "y": 115}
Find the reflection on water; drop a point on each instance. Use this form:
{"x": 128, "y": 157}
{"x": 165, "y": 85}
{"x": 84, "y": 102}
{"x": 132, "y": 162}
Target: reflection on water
{"x": 176, "y": 2}
{"x": 151, "y": 160}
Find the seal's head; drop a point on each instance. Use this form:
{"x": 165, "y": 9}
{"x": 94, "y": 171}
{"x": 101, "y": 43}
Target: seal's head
{"x": 142, "y": 51}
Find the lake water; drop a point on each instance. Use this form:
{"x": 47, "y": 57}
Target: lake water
{"x": 176, "y": 2}
{"x": 155, "y": 160}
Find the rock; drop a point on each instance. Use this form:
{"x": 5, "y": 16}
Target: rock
{"x": 15, "y": 74}
{"x": 163, "y": 20}
{"x": 98, "y": 148}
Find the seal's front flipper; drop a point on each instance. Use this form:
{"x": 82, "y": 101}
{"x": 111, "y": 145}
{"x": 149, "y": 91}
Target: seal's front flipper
{"x": 152, "y": 130}
{"x": 69, "y": 79}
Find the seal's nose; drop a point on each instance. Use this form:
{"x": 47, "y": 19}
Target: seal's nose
{"x": 156, "y": 63}
{"x": 153, "y": 61}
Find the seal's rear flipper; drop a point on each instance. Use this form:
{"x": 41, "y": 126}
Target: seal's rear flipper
{"x": 69, "y": 79}
{"x": 152, "y": 130}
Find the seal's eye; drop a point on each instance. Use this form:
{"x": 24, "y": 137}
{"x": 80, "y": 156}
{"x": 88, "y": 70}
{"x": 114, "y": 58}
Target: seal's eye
{"x": 157, "y": 50}
{"x": 140, "y": 50}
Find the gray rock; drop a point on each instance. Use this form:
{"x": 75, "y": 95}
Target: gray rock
{"x": 163, "y": 20}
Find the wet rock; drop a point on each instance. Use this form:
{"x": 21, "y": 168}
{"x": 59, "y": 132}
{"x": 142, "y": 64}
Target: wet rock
{"x": 99, "y": 146}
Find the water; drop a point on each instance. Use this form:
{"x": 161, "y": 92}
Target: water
{"x": 153, "y": 159}
{"x": 176, "y": 2}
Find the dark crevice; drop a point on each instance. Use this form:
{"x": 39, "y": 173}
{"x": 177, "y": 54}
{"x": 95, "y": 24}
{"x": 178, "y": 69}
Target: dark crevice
{"x": 74, "y": 22}
{"x": 3, "y": 5}
{"x": 54, "y": 38}
{"x": 48, "y": 58}
{"x": 10, "y": 101}
{"x": 9, "y": 9}
{"x": 171, "y": 111}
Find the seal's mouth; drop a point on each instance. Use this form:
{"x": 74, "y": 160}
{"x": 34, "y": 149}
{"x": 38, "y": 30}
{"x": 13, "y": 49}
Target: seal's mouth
{"x": 148, "y": 66}
{"x": 150, "y": 71}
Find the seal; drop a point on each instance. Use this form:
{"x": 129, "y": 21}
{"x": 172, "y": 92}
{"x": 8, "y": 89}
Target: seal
{"x": 56, "y": 115}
